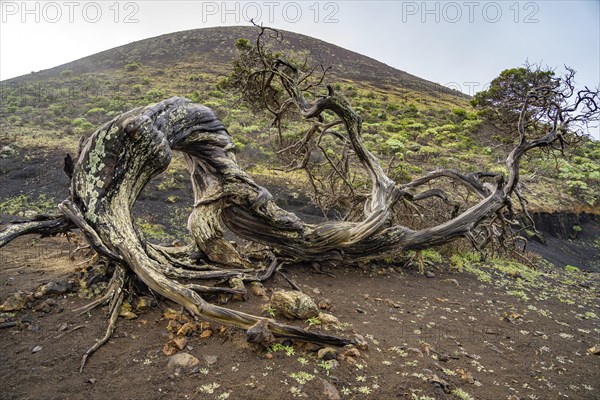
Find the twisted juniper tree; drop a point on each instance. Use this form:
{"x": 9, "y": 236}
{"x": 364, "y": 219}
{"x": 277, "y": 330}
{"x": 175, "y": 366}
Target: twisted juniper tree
{"x": 115, "y": 163}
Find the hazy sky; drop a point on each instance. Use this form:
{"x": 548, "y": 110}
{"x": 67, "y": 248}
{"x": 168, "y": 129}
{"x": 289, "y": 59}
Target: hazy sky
{"x": 460, "y": 44}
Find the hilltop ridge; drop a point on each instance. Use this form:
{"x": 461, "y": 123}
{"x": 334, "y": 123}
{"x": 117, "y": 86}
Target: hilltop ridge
{"x": 217, "y": 46}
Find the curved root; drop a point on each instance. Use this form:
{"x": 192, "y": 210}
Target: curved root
{"x": 116, "y": 301}
{"x": 117, "y": 281}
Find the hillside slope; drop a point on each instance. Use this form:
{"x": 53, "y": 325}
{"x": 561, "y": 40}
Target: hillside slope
{"x": 412, "y": 125}
{"x": 216, "y": 46}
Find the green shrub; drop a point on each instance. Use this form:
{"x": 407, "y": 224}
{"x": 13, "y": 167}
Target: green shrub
{"x": 133, "y": 66}
{"x": 250, "y": 129}
{"x": 154, "y": 95}
{"x": 79, "y": 121}
{"x": 216, "y": 93}
{"x": 394, "y": 144}
{"x": 416, "y": 126}
{"x": 26, "y": 110}
{"x": 571, "y": 268}
{"x": 18, "y": 204}
{"x": 392, "y": 128}
{"x": 96, "y": 111}
{"x": 56, "y": 109}
{"x": 458, "y": 115}
{"x": 428, "y": 151}
{"x": 242, "y": 44}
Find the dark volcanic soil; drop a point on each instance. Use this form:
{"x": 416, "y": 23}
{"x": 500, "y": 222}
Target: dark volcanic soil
{"x": 451, "y": 336}
{"x": 425, "y": 334}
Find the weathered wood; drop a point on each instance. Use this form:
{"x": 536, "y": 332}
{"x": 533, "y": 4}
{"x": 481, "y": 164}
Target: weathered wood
{"x": 116, "y": 162}
{"x": 44, "y": 226}
{"x": 120, "y": 158}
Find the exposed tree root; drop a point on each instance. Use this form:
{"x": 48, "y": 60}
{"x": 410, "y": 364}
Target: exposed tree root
{"x": 115, "y": 295}
{"x": 116, "y": 283}
{"x": 42, "y": 225}
{"x": 121, "y": 157}
{"x": 293, "y": 284}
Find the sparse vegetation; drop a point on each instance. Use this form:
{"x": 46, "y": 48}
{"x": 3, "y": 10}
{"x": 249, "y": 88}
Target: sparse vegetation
{"x": 26, "y": 205}
{"x": 413, "y": 133}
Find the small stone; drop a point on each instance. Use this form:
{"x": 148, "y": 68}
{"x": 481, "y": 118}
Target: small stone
{"x": 350, "y": 360}
{"x": 206, "y": 334}
{"x": 63, "y": 327}
{"x": 594, "y": 350}
{"x": 143, "y": 303}
{"x": 353, "y": 352}
{"x": 329, "y": 391}
{"x": 416, "y": 351}
{"x": 325, "y": 304}
{"x": 443, "y": 357}
{"x": 36, "y": 349}
{"x": 205, "y": 325}
{"x": 436, "y": 380}
{"x": 466, "y": 376}
{"x": 8, "y": 152}
{"x": 258, "y": 290}
{"x": 268, "y": 356}
{"x": 328, "y": 319}
{"x": 430, "y": 274}
{"x": 173, "y": 326}
{"x": 260, "y": 333}
{"x": 90, "y": 380}
{"x": 42, "y": 307}
{"x": 172, "y": 315}
{"x": 294, "y": 305}
{"x": 15, "y": 302}
{"x": 27, "y": 319}
{"x": 211, "y": 360}
{"x": 169, "y": 349}
{"x": 311, "y": 347}
{"x": 187, "y": 329}
{"x": 238, "y": 284}
{"x": 182, "y": 360}
{"x": 54, "y": 288}
{"x": 327, "y": 353}
{"x": 126, "y": 312}
{"x": 316, "y": 291}
{"x": 180, "y": 342}
{"x": 361, "y": 343}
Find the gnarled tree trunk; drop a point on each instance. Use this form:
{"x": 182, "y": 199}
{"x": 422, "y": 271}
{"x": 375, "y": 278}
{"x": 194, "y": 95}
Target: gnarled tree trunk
{"x": 116, "y": 162}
